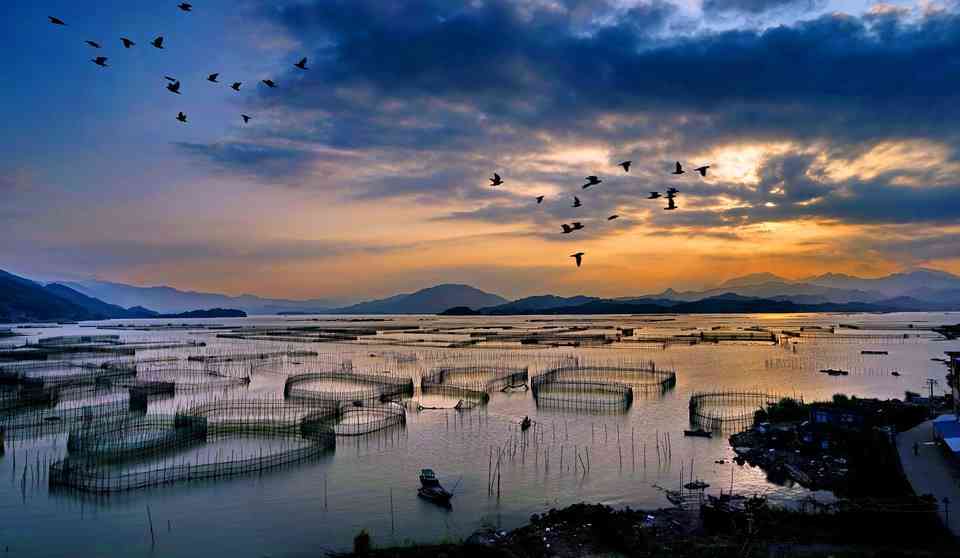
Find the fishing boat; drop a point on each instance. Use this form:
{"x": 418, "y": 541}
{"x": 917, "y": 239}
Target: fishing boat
{"x": 895, "y": 373}
{"x": 696, "y": 485}
{"x": 431, "y": 490}
{"x": 698, "y": 433}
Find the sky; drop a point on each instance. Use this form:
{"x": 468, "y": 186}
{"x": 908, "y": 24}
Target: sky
{"x": 829, "y": 128}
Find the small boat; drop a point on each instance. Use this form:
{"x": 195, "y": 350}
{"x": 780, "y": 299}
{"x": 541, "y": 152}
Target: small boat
{"x": 525, "y": 423}
{"x": 895, "y": 373}
{"x": 696, "y": 485}
{"x": 698, "y": 433}
{"x": 674, "y": 497}
{"x": 834, "y": 372}
{"x": 430, "y": 489}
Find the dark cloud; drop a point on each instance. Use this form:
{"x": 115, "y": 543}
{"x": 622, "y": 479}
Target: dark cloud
{"x": 755, "y": 7}
{"x": 252, "y": 158}
{"x": 438, "y": 94}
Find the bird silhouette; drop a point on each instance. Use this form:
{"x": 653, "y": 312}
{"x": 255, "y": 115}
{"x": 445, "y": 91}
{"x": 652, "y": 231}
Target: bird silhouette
{"x": 576, "y": 202}
{"x": 591, "y": 181}
{"x": 577, "y": 225}
{"x": 185, "y": 7}
{"x": 56, "y": 20}
{"x": 212, "y": 78}
{"x": 567, "y": 229}
{"x": 671, "y": 204}
{"x": 678, "y": 169}
{"x": 245, "y": 118}
{"x": 612, "y": 217}
{"x": 579, "y": 257}
{"x": 236, "y": 86}
{"x": 653, "y": 195}
{"x": 100, "y": 61}
{"x": 93, "y": 44}
{"x": 158, "y": 42}
{"x": 626, "y": 165}
{"x": 182, "y": 117}
{"x": 302, "y": 64}
{"x": 269, "y": 83}
{"x": 174, "y": 87}
{"x": 168, "y": 78}
{"x": 671, "y": 192}
{"x": 127, "y": 43}
{"x": 539, "y": 199}
{"x": 496, "y": 180}
{"x": 702, "y": 170}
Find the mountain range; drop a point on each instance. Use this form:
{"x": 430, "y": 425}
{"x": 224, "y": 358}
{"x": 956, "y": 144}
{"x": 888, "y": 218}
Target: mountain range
{"x": 918, "y": 290}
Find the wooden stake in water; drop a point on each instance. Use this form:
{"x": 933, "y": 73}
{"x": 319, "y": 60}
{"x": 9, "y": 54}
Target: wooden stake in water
{"x": 153, "y": 540}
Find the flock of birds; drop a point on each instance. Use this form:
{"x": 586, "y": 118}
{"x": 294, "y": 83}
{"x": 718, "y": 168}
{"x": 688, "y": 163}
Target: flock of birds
{"x": 568, "y": 228}
{"x": 174, "y": 84}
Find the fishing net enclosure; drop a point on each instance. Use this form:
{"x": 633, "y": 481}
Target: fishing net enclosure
{"x": 472, "y": 385}
{"x": 727, "y": 411}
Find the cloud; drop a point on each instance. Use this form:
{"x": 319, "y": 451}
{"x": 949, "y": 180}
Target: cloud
{"x": 257, "y": 159}
{"x": 755, "y": 7}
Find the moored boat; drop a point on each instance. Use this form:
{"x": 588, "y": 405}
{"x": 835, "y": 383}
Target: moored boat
{"x": 698, "y": 433}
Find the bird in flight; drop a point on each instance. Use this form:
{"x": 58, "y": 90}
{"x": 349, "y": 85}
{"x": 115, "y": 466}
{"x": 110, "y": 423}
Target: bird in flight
{"x": 56, "y": 20}
{"x": 579, "y": 257}
{"x": 127, "y": 43}
{"x": 577, "y": 225}
{"x": 235, "y": 86}
{"x": 678, "y": 169}
{"x": 174, "y": 87}
{"x": 671, "y": 192}
{"x": 93, "y": 44}
{"x": 269, "y": 83}
{"x": 245, "y": 118}
{"x": 182, "y": 117}
{"x": 302, "y": 64}
{"x": 591, "y": 181}
{"x": 158, "y": 42}
{"x": 567, "y": 229}
{"x": 653, "y": 195}
{"x": 496, "y": 180}
{"x": 702, "y": 170}
{"x": 612, "y": 217}
{"x": 212, "y": 78}
{"x": 185, "y": 7}
{"x": 100, "y": 61}
{"x": 626, "y": 165}
{"x": 539, "y": 199}
{"x": 576, "y": 202}
{"x": 671, "y": 204}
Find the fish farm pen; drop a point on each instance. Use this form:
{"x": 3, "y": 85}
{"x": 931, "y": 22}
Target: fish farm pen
{"x": 727, "y": 411}
{"x": 62, "y": 374}
{"x": 382, "y": 387}
{"x": 473, "y": 384}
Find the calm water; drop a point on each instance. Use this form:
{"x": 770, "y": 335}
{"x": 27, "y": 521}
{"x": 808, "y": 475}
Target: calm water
{"x": 321, "y": 505}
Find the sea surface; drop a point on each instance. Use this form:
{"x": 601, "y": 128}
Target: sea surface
{"x": 369, "y": 482}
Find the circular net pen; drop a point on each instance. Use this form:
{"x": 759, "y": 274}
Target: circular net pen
{"x": 106, "y": 461}
{"x": 344, "y": 386}
{"x": 727, "y": 411}
{"x": 37, "y": 422}
{"x": 472, "y": 385}
{"x": 188, "y": 378}
{"x": 358, "y": 420}
{"x": 575, "y": 388}
{"x": 63, "y": 374}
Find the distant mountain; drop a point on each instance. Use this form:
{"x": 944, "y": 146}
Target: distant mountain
{"x": 211, "y": 313}
{"x": 97, "y": 306}
{"x": 726, "y": 303}
{"x": 805, "y": 293}
{"x": 426, "y": 301}
{"x": 540, "y": 302}
{"x": 171, "y": 301}
{"x": 24, "y": 300}
{"x": 929, "y": 283}
{"x": 753, "y": 279}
